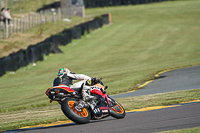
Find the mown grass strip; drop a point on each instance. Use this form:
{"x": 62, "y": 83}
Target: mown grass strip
{"x": 160, "y": 99}
{"x": 188, "y": 130}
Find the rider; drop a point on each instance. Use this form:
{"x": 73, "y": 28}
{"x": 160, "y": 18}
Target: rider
{"x": 65, "y": 77}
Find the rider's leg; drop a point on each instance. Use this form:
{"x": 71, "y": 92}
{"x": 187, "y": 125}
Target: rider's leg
{"x": 77, "y": 85}
{"x": 85, "y": 91}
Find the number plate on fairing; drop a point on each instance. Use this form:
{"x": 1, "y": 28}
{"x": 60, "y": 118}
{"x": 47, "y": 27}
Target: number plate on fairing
{"x": 101, "y": 110}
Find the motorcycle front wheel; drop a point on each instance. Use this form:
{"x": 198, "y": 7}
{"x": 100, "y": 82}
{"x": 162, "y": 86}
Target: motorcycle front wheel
{"x": 117, "y": 110}
{"x": 79, "y": 116}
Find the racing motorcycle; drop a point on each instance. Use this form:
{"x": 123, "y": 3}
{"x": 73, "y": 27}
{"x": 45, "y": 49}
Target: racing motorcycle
{"x": 80, "y": 111}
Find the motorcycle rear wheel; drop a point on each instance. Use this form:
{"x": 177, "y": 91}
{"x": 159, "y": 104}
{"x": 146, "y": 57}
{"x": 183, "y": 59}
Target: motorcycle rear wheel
{"x": 81, "y": 116}
{"x": 117, "y": 111}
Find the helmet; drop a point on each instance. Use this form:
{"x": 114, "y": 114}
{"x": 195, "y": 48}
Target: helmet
{"x": 63, "y": 71}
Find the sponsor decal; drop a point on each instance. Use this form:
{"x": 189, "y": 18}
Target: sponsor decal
{"x": 89, "y": 82}
{"x": 105, "y": 111}
{"x": 95, "y": 87}
{"x": 104, "y": 108}
{"x": 97, "y": 110}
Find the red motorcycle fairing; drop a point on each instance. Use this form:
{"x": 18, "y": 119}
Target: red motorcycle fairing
{"x": 60, "y": 87}
{"x": 64, "y": 88}
{"x": 99, "y": 90}
{"x": 54, "y": 93}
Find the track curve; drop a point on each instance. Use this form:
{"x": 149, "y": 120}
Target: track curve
{"x": 175, "y": 80}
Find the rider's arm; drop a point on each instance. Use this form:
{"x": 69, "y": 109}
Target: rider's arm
{"x": 79, "y": 76}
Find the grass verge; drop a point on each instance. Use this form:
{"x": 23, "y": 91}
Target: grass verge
{"x": 160, "y": 99}
{"x": 189, "y": 130}
{"x": 21, "y": 7}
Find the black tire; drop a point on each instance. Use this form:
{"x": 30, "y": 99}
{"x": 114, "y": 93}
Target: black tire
{"x": 80, "y": 117}
{"x": 117, "y": 110}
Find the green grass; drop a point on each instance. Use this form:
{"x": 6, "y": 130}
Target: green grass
{"x": 160, "y": 99}
{"x": 189, "y": 130}
{"x": 143, "y": 40}
{"x": 26, "y": 6}
{"x": 124, "y": 54}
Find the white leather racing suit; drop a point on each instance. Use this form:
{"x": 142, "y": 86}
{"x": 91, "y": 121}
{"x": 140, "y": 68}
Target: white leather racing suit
{"x": 67, "y": 79}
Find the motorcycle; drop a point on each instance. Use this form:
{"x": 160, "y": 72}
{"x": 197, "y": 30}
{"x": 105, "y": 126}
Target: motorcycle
{"x": 80, "y": 111}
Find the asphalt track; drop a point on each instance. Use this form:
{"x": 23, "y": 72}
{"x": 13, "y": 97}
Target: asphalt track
{"x": 175, "y": 80}
{"x": 185, "y": 116}
{"x": 175, "y": 117}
